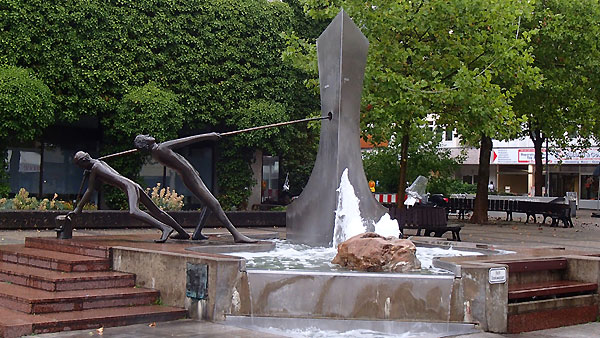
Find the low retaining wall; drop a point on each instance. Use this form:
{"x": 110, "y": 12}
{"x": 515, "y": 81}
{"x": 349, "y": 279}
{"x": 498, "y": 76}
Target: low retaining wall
{"x": 115, "y": 219}
{"x": 167, "y": 272}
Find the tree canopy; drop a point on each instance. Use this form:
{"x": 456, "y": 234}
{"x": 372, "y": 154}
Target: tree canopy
{"x": 206, "y": 65}
{"x": 565, "y": 106}
{"x": 459, "y": 61}
{"x": 25, "y": 105}
{"x": 26, "y": 108}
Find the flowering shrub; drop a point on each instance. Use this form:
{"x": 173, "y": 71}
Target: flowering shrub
{"x": 22, "y": 201}
{"x": 165, "y": 199}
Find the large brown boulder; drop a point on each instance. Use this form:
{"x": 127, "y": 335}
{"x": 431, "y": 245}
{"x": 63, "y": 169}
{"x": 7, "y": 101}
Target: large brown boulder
{"x": 372, "y": 252}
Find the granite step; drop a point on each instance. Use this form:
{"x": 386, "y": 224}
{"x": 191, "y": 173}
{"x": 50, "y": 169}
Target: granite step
{"x": 555, "y": 288}
{"x": 29, "y": 300}
{"x": 15, "y": 324}
{"x": 552, "y": 313}
{"x": 68, "y": 246}
{"x": 53, "y": 260}
{"x": 59, "y": 281}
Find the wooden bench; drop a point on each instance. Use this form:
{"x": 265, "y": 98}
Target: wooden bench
{"x": 460, "y": 205}
{"x": 430, "y": 219}
{"x": 557, "y": 211}
{"x": 552, "y": 288}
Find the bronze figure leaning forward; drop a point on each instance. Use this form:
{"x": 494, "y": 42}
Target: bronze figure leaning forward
{"x": 164, "y": 154}
{"x": 100, "y": 171}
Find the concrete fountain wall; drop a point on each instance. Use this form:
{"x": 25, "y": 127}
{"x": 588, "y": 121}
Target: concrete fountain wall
{"x": 345, "y": 295}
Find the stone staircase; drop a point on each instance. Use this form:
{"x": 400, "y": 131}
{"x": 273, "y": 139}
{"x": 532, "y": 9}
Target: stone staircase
{"x": 51, "y": 286}
{"x": 542, "y": 295}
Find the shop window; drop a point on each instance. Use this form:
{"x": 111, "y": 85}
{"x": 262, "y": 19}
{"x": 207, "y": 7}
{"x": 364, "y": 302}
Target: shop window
{"x": 467, "y": 179}
{"x": 270, "y": 179}
{"x": 201, "y": 158}
{"x": 449, "y": 134}
{"x": 24, "y": 169}
{"x": 59, "y": 174}
{"x": 589, "y": 187}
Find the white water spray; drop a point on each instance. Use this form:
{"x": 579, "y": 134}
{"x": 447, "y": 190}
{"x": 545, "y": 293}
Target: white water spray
{"x": 348, "y": 221}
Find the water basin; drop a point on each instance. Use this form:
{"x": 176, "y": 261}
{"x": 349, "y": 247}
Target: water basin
{"x": 288, "y": 256}
{"x": 321, "y": 328}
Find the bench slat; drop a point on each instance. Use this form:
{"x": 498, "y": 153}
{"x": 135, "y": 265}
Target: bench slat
{"x": 551, "y": 288}
{"x": 536, "y": 265}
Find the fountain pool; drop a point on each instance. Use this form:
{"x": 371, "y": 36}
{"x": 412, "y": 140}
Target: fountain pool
{"x": 326, "y": 328}
{"x": 289, "y": 256}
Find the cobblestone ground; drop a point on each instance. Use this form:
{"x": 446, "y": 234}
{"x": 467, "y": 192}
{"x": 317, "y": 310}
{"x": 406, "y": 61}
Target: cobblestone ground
{"x": 584, "y": 236}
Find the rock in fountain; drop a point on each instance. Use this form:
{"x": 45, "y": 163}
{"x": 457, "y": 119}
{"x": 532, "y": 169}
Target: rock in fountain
{"x": 375, "y": 253}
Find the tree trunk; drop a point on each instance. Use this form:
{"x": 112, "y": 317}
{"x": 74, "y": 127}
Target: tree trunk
{"x": 538, "y": 141}
{"x": 403, "y": 163}
{"x": 480, "y": 207}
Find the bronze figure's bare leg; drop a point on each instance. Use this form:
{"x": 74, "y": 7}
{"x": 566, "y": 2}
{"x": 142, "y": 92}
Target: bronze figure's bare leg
{"x": 163, "y": 217}
{"x": 133, "y": 197}
{"x": 198, "y": 231}
{"x": 198, "y": 188}
{"x": 164, "y": 154}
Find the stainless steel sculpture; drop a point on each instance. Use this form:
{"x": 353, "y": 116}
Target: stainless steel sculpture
{"x": 342, "y": 53}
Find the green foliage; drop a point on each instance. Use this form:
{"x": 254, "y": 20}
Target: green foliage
{"x": 4, "y": 186}
{"x": 115, "y": 198}
{"x": 258, "y": 113}
{"x": 142, "y": 110}
{"x": 147, "y": 110}
{"x": 155, "y": 66}
{"x": 567, "y": 52}
{"x": 298, "y": 162}
{"x": 234, "y": 175}
{"x": 25, "y": 104}
{"x": 382, "y": 165}
{"x": 25, "y": 109}
{"x": 459, "y": 61}
{"x": 448, "y": 186}
{"x": 22, "y": 201}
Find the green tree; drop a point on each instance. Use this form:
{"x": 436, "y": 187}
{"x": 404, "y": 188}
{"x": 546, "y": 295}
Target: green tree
{"x": 217, "y": 57}
{"x": 26, "y": 108}
{"x": 382, "y": 164}
{"x": 147, "y": 110}
{"x": 462, "y": 61}
{"x": 566, "y": 51}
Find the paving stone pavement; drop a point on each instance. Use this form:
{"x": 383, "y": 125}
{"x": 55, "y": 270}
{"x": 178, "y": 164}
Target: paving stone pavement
{"x": 584, "y": 236}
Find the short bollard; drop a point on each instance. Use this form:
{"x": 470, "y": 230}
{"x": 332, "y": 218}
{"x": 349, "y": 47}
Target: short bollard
{"x": 64, "y": 228}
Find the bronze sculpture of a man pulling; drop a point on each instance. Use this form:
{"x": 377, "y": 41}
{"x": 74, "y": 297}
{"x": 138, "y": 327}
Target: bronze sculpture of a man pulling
{"x": 99, "y": 171}
{"x": 164, "y": 154}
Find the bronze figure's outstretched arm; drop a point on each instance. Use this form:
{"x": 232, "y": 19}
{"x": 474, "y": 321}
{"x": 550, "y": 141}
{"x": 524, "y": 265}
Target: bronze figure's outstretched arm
{"x": 86, "y": 196}
{"x": 173, "y": 144}
{"x": 182, "y": 142}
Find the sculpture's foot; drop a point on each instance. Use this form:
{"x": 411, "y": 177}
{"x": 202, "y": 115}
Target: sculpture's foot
{"x": 165, "y": 235}
{"x": 239, "y": 238}
{"x": 198, "y": 236}
{"x": 181, "y": 236}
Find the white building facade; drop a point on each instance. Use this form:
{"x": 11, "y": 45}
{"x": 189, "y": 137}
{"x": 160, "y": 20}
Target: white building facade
{"x": 512, "y": 166}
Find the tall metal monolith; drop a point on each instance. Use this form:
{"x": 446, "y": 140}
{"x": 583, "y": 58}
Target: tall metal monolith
{"x": 310, "y": 219}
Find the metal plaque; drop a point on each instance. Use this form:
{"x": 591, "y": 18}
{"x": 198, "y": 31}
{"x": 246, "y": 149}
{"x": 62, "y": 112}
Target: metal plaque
{"x": 196, "y": 284}
{"x": 497, "y": 275}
